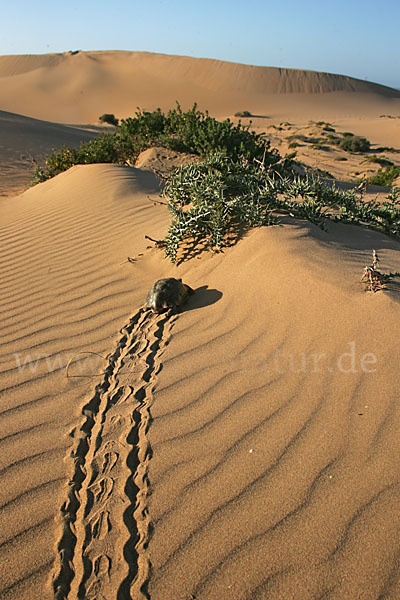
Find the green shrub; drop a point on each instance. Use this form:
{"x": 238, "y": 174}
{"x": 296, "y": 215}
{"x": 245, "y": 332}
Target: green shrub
{"x": 385, "y": 149}
{"x": 325, "y": 125}
{"x": 383, "y": 162}
{"x": 321, "y": 147}
{"x": 241, "y": 183}
{"x": 99, "y": 150}
{"x": 108, "y": 118}
{"x": 219, "y": 196}
{"x": 223, "y": 193}
{"x": 385, "y": 176}
{"x": 305, "y": 138}
{"x": 340, "y": 158}
{"x": 192, "y": 131}
{"x": 354, "y": 143}
{"x": 243, "y": 113}
{"x": 293, "y": 145}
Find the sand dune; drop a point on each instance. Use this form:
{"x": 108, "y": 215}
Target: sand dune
{"x": 201, "y": 452}
{"x": 66, "y": 286}
{"x": 79, "y": 87}
{"x": 246, "y": 448}
{"x": 274, "y": 473}
{"x": 25, "y": 142}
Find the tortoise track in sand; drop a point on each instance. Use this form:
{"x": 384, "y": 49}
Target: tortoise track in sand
{"x": 104, "y": 525}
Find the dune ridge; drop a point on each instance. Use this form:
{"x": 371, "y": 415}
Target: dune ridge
{"x": 25, "y": 142}
{"x": 119, "y": 81}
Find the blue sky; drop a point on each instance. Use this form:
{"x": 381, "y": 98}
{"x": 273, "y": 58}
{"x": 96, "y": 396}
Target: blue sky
{"x": 353, "y": 37}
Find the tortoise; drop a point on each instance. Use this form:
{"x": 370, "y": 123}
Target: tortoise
{"x": 167, "y": 294}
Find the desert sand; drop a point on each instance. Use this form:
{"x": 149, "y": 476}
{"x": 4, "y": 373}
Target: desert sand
{"x": 245, "y": 448}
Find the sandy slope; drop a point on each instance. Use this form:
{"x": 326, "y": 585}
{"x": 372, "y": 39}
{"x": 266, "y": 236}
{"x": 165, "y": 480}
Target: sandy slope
{"x": 203, "y": 452}
{"x": 275, "y": 470}
{"x": 24, "y": 142}
{"x": 234, "y": 451}
{"x": 66, "y": 286}
{"x": 84, "y": 85}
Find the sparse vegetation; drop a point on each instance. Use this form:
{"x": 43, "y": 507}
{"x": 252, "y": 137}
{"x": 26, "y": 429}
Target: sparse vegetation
{"x": 306, "y": 138}
{"x": 323, "y": 147}
{"x": 243, "y": 113}
{"x": 109, "y": 118}
{"x": 355, "y": 144}
{"x": 325, "y": 126}
{"x": 383, "y": 162}
{"x": 386, "y": 149}
{"x": 373, "y": 278}
{"x": 192, "y": 131}
{"x": 209, "y": 200}
{"x": 241, "y": 183}
{"x": 385, "y": 176}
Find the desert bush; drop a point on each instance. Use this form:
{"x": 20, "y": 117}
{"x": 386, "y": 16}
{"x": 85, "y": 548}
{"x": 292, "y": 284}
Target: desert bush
{"x": 109, "y": 118}
{"x": 243, "y": 113}
{"x": 340, "y": 158}
{"x": 382, "y": 161}
{"x": 99, "y": 150}
{"x": 220, "y": 195}
{"x": 385, "y": 176}
{"x": 354, "y": 143}
{"x": 241, "y": 183}
{"x": 321, "y": 147}
{"x": 306, "y": 138}
{"x": 293, "y": 144}
{"x": 386, "y": 149}
{"x": 192, "y": 131}
{"x": 325, "y": 125}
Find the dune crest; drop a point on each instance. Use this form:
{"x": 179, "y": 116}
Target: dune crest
{"x": 84, "y": 85}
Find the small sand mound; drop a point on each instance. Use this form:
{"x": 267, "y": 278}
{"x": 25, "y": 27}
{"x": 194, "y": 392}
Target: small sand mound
{"x": 162, "y": 161}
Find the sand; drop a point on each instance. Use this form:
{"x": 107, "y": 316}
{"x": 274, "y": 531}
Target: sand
{"x": 84, "y": 85}
{"x": 246, "y": 448}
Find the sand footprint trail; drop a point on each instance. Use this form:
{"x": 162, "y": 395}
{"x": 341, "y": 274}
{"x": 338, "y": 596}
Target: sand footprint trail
{"x": 107, "y": 487}
{"x": 62, "y": 293}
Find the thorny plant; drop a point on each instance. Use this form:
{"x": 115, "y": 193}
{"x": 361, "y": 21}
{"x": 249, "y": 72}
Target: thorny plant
{"x": 373, "y": 278}
{"x": 241, "y": 183}
{"x": 211, "y": 198}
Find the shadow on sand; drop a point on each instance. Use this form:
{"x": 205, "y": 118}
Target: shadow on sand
{"x": 202, "y": 297}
